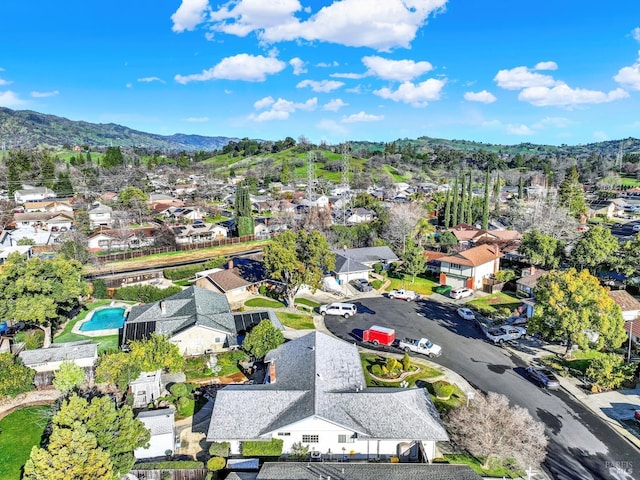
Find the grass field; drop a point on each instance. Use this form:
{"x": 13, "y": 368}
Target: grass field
{"x": 425, "y": 373}
{"x": 421, "y": 285}
{"x": 297, "y": 321}
{"x": 19, "y": 431}
{"x": 495, "y": 303}
{"x": 263, "y": 303}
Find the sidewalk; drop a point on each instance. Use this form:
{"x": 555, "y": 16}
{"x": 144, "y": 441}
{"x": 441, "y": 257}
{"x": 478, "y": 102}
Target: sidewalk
{"x": 615, "y": 408}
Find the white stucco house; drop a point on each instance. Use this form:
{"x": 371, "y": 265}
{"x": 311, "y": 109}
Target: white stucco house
{"x": 29, "y": 193}
{"x": 161, "y": 425}
{"x": 100, "y": 215}
{"x": 315, "y": 393}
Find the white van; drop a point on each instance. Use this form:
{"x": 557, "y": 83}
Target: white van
{"x": 344, "y": 309}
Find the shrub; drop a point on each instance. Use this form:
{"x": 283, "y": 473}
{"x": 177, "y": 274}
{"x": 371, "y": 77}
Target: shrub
{"x": 392, "y": 364}
{"x": 443, "y": 390}
{"x": 504, "y": 275}
{"x": 32, "y": 339}
{"x": 145, "y": 293}
{"x": 15, "y": 377}
{"x": 182, "y": 273}
{"x": 216, "y": 463}
{"x": 378, "y": 268}
{"x": 376, "y": 369}
{"x": 219, "y": 449}
{"x": 262, "y": 449}
{"x": 185, "y": 406}
{"x": 100, "y": 289}
{"x": 376, "y": 284}
{"x": 262, "y": 290}
{"x": 299, "y": 451}
{"x": 406, "y": 362}
{"x": 609, "y": 371}
{"x": 179, "y": 390}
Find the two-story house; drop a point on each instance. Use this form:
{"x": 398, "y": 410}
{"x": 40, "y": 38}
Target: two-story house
{"x": 469, "y": 267}
{"x": 100, "y": 216}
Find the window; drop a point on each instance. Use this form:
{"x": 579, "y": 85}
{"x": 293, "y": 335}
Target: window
{"x": 310, "y": 439}
{"x": 345, "y": 439}
{"x": 284, "y": 434}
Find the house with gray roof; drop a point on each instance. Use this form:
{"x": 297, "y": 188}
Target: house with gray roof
{"x": 47, "y": 361}
{"x": 197, "y": 320}
{"x": 347, "y": 269}
{"x": 371, "y": 255}
{"x": 162, "y": 427}
{"x": 315, "y": 393}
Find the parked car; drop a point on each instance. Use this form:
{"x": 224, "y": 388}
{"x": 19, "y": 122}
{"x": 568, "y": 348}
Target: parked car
{"x": 460, "y": 292}
{"x": 518, "y": 321}
{"x": 636, "y": 415}
{"x": 544, "y": 377}
{"x": 345, "y": 310}
{"x": 505, "y": 333}
{"x": 636, "y": 227}
{"x": 443, "y": 289}
{"x": 361, "y": 285}
{"x": 403, "y": 294}
{"x": 466, "y": 313}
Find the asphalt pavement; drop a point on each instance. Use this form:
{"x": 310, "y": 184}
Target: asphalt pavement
{"x": 583, "y": 444}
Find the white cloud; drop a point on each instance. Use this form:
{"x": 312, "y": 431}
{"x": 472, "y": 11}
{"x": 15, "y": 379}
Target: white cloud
{"x": 546, "y": 66}
{"x": 519, "y": 130}
{"x": 129, "y": 85}
{"x": 298, "y": 66}
{"x": 362, "y": 117}
{"x": 5, "y": 82}
{"x": 189, "y": 15}
{"x": 418, "y": 95}
{"x": 635, "y": 33}
{"x": 351, "y": 76}
{"x": 10, "y": 99}
{"x": 250, "y": 68}
{"x": 482, "y": 96}
{"x": 379, "y": 24}
{"x": 150, "y": 79}
{"x": 321, "y": 86}
{"x": 552, "y": 122}
{"x": 280, "y": 109}
{"x": 398, "y": 70}
{"x": 332, "y": 126}
{"x": 196, "y": 119}
{"x": 564, "y": 96}
{"x": 629, "y": 76}
{"x": 45, "y": 94}
{"x": 327, "y": 64}
{"x": 521, "y": 77}
{"x": 334, "y": 105}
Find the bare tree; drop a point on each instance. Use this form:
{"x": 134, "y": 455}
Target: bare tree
{"x": 403, "y": 219}
{"x": 489, "y": 428}
{"x": 546, "y": 216}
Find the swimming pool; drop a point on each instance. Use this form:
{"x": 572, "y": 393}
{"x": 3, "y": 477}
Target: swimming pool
{"x": 104, "y": 319}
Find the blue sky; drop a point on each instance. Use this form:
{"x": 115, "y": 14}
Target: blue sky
{"x": 498, "y": 71}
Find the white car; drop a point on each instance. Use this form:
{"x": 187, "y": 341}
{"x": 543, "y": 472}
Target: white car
{"x": 636, "y": 227}
{"x": 345, "y": 310}
{"x": 460, "y": 292}
{"x": 466, "y": 313}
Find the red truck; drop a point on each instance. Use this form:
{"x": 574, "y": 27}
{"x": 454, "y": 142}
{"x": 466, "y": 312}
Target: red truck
{"x": 379, "y": 335}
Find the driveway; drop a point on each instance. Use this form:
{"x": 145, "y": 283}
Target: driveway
{"x": 581, "y": 445}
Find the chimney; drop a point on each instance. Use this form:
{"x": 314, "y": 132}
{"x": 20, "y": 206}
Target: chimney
{"x": 163, "y": 307}
{"x": 230, "y": 264}
{"x": 272, "y": 372}
{"x": 532, "y": 270}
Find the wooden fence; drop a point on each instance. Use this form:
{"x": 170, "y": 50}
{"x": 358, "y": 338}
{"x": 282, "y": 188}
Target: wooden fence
{"x": 182, "y": 474}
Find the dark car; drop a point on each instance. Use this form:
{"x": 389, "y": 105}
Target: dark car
{"x": 361, "y": 285}
{"x": 544, "y": 377}
{"x": 442, "y": 289}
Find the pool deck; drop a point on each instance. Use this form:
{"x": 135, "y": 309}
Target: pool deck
{"x": 103, "y": 332}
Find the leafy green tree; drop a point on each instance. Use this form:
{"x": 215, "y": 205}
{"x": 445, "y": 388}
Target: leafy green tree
{"x": 131, "y": 197}
{"x": 117, "y": 431}
{"x": 596, "y": 248}
{"x": 68, "y": 377}
{"x": 571, "y": 193}
{"x": 541, "y": 249}
{"x": 15, "y": 377}
{"x": 117, "y": 369}
{"x": 285, "y": 172}
{"x": 242, "y": 210}
{"x": 413, "y": 261}
{"x": 485, "y": 204}
{"x": 628, "y": 261}
{"x": 262, "y": 338}
{"x": 609, "y": 371}
{"x": 112, "y": 158}
{"x": 156, "y": 353}
{"x": 63, "y": 186}
{"x": 40, "y": 291}
{"x": 71, "y": 453}
{"x": 297, "y": 259}
{"x": 454, "y": 204}
{"x": 82, "y": 222}
{"x": 570, "y": 304}
{"x": 497, "y": 188}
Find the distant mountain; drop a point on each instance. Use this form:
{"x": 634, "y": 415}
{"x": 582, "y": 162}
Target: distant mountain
{"x": 26, "y": 128}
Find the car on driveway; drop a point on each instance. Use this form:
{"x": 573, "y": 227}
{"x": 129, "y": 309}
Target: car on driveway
{"x": 460, "y": 292}
{"x": 361, "y": 285}
{"x": 505, "y": 333}
{"x": 442, "y": 289}
{"x": 544, "y": 377}
{"x": 345, "y": 310}
{"x": 466, "y": 313}
{"x": 518, "y": 321}
{"x": 402, "y": 294}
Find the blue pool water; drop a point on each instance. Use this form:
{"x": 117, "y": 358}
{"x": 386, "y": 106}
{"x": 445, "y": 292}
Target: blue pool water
{"x": 112, "y": 317}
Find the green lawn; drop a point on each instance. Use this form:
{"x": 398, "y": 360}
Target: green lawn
{"x": 422, "y": 377}
{"x": 476, "y": 465}
{"x": 298, "y": 321}
{"x": 264, "y": 303}
{"x": 497, "y": 303}
{"x": 580, "y": 360}
{"x": 629, "y": 181}
{"x": 423, "y": 286}
{"x": 19, "y": 431}
{"x": 307, "y": 302}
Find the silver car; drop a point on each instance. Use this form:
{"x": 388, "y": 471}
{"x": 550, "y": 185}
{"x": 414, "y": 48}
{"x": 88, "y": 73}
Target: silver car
{"x": 544, "y": 377}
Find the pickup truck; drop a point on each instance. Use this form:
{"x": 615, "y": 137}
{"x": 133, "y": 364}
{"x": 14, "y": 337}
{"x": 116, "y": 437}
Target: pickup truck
{"x": 403, "y": 294}
{"x": 505, "y": 333}
{"x": 422, "y": 345}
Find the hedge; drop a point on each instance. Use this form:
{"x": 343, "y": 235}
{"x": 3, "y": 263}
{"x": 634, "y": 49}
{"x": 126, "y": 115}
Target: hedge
{"x": 100, "y": 289}
{"x": 179, "y": 390}
{"x": 186, "y": 406}
{"x": 168, "y": 465}
{"x": 216, "y": 463}
{"x": 263, "y": 449}
{"x": 219, "y": 449}
{"x": 144, "y": 293}
{"x": 443, "y": 389}
{"x": 182, "y": 273}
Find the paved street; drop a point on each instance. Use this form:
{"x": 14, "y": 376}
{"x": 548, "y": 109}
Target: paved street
{"x": 582, "y": 446}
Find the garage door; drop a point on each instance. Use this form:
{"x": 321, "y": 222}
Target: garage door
{"x": 456, "y": 282}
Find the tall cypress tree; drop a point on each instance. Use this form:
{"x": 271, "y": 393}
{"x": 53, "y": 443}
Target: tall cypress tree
{"x": 521, "y": 189}
{"x": 462, "y": 208}
{"x": 470, "y": 200}
{"x": 454, "y": 204}
{"x": 496, "y": 193}
{"x": 485, "y": 205}
{"x": 244, "y": 220}
{"x": 447, "y": 210}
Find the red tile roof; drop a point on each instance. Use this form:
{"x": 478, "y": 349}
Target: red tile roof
{"x": 474, "y": 257}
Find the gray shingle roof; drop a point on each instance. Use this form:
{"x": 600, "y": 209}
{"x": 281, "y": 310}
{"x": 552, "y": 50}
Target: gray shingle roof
{"x": 365, "y": 471}
{"x": 370, "y": 255}
{"x": 320, "y": 376}
{"x": 158, "y": 422}
{"x": 349, "y": 265}
{"x": 59, "y": 352}
{"x": 192, "y": 306}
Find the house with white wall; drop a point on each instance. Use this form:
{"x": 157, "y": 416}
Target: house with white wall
{"x": 29, "y": 193}
{"x": 315, "y": 394}
{"x": 100, "y": 215}
{"x": 469, "y": 267}
{"x": 161, "y": 425}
